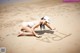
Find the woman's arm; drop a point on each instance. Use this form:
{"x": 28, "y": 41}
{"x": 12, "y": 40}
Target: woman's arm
{"x": 50, "y": 26}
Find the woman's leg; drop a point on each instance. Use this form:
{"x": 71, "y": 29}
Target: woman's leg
{"x": 25, "y": 31}
{"x": 30, "y": 32}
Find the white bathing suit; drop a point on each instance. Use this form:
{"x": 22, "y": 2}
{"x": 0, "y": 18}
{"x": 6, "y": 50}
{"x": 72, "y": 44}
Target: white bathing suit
{"x": 29, "y": 24}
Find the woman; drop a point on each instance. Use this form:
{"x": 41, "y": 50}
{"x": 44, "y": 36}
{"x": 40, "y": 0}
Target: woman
{"x": 29, "y": 27}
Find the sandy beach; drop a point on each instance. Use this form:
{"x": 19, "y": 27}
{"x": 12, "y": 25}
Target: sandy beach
{"x": 64, "y": 16}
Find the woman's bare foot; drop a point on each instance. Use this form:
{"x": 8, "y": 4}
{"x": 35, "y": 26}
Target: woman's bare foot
{"x": 20, "y": 34}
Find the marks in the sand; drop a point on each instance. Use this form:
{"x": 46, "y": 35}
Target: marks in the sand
{"x": 6, "y": 36}
{"x": 1, "y": 38}
{"x": 11, "y": 34}
{"x": 56, "y": 36}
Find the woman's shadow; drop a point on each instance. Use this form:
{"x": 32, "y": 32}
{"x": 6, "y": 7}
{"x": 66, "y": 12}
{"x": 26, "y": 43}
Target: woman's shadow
{"x": 40, "y": 32}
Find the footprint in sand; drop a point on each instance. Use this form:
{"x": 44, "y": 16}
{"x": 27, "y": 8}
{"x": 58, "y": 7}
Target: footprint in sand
{"x": 1, "y": 38}
{"x": 7, "y": 35}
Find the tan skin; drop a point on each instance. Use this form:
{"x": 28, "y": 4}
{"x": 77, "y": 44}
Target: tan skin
{"x": 31, "y": 30}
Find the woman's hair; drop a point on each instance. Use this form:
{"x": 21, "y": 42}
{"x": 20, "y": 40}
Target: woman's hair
{"x": 42, "y": 18}
{"x": 41, "y": 25}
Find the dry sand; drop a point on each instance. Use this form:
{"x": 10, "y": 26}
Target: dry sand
{"x": 64, "y": 16}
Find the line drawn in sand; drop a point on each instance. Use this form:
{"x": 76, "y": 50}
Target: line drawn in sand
{"x": 55, "y": 36}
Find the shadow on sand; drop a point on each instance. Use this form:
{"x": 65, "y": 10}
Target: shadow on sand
{"x": 44, "y": 31}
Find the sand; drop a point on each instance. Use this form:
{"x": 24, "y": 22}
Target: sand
{"x": 64, "y": 16}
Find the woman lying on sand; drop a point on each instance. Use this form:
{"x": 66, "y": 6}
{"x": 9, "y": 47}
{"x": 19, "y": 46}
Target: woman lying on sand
{"x": 28, "y": 28}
